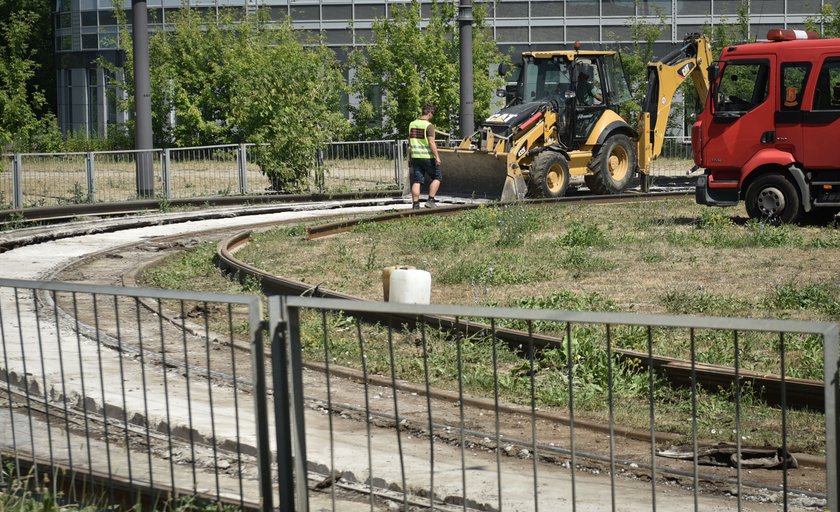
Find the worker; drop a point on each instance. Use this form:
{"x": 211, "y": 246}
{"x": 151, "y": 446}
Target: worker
{"x": 585, "y": 92}
{"x": 423, "y": 157}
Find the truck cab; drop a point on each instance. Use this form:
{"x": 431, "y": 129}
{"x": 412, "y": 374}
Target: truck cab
{"x": 767, "y": 131}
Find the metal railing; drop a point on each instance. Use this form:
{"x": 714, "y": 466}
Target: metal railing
{"x": 47, "y": 179}
{"x": 105, "y": 400}
{"x": 165, "y": 394}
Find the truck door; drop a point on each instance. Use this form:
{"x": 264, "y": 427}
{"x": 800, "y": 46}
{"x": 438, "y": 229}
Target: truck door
{"x": 821, "y": 124}
{"x": 793, "y": 77}
{"x": 589, "y": 97}
{"x": 742, "y": 113}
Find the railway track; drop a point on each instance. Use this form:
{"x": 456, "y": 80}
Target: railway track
{"x": 677, "y": 370}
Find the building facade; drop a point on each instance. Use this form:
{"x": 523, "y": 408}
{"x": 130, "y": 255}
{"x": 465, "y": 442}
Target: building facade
{"x": 86, "y": 31}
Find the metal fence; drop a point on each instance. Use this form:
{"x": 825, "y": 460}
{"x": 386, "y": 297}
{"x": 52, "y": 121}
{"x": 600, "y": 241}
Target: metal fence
{"x": 47, "y": 179}
{"x": 168, "y": 394}
{"x": 106, "y": 399}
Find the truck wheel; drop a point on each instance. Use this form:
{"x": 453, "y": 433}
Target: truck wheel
{"x": 613, "y": 166}
{"x": 773, "y": 198}
{"x": 549, "y": 175}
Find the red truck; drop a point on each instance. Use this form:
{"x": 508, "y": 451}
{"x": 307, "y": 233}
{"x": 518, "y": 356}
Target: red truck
{"x": 769, "y": 133}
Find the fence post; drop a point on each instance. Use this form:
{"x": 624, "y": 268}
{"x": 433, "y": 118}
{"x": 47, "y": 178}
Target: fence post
{"x": 831, "y": 362}
{"x": 261, "y": 407}
{"x": 90, "y": 171}
{"x": 398, "y": 164}
{"x": 166, "y": 174}
{"x": 242, "y": 168}
{"x": 17, "y": 181}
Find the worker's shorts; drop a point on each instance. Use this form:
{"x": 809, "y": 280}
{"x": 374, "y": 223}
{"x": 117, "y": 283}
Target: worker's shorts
{"x": 421, "y": 167}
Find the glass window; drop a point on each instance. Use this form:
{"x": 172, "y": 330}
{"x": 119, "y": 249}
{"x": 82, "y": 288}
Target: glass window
{"x": 726, "y": 7}
{"x": 547, "y": 9}
{"x": 767, "y": 6}
{"x": 90, "y": 41}
{"x": 363, "y": 35}
{"x": 93, "y": 102}
{"x": 278, "y": 13}
{"x": 305, "y": 12}
{"x": 616, "y": 80}
{"x": 577, "y": 8}
{"x": 695, "y": 7}
{"x": 62, "y": 20}
{"x": 87, "y": 5}
{"x": 547, "y": 34}
{"x": 618, "y": 33}
{"x": 339, "y": 37}
{"x": 827, "y": 93}
{"x": 107, "y": 18}
{"x": 512, "y": 10}
{"x": 760, "y": 31}
{"x": 89, "y": 18}
{"x": 337, "y": 12}
{"x": 742, "y": 87}
{"x": 618, "y": 7}
{"x": 153, "y": 16}
{"x": 804, "y": 7}
{"x": 369, "y": 12}
{"x": 108, "y": 39}
{"x": 511, "y": 34}
{"x": 794, "y": 77}
{"x": 63, "y": 43}
{"x": 582, "y": 34}
{"x": 654, "y": 7}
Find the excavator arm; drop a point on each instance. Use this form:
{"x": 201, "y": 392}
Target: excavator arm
{"x": 665, "y": 76}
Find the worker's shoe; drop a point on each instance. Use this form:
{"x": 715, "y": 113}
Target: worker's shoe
{"x": 431, "y": 203}
{"x": 415, "y": 205}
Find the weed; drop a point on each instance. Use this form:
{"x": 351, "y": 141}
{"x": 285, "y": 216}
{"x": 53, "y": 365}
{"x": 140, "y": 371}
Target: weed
{"x": 164, "y": 205}
{"x": 713, "y": 218}
{"x": 583, "y": 234}
{"x": 514, "y": 223}
{"x": 702, "y": 302}
{"x": 582, "y": 260}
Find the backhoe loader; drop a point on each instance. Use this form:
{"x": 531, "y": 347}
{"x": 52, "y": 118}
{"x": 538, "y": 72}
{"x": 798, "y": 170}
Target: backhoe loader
{"x": 565, "y": 120}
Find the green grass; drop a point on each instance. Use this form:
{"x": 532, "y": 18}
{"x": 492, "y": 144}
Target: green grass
{"x": 670, "y": 257}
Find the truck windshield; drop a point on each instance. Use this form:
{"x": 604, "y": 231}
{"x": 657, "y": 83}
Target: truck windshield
{"x": 742, "y": 87}
{"x": 544, "y": 79}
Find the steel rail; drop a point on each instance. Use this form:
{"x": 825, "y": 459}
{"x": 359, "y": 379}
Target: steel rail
{"x": 63, "y": 213}
{"x": 802, "y": 393}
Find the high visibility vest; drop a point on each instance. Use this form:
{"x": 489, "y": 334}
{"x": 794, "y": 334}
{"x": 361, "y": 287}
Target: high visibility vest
{"x": 417, "y": 139}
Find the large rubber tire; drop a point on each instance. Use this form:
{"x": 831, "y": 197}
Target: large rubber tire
{"x": 613, "y": 166}
{"x": 549, "y": 175}
{"x": 774, "y": 199}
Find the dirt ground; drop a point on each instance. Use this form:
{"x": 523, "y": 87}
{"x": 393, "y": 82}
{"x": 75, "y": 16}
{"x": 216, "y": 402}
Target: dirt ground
{"x": 552, "y": 431}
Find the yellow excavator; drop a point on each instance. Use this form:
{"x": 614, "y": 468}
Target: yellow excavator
{"x": 564, "y": 120}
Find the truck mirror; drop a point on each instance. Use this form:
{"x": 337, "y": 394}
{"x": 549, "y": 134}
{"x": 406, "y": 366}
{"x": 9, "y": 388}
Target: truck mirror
{"x": 713, "y": 71}
{"x": 503, "y": 69}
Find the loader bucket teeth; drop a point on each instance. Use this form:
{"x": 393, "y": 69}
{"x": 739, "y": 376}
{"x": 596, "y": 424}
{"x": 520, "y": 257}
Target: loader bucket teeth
{"x": 479, "y": 175}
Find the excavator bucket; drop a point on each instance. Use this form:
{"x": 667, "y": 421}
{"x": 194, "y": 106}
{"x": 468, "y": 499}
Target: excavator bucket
{"x": 479, "y": 175}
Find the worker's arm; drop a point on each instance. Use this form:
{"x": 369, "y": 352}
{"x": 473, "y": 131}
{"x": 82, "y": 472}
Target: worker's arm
{"x": 430, "y": 136}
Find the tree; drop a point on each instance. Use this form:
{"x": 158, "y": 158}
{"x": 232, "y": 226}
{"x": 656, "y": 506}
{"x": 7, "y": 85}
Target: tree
{"x": 25, "y": 122}
{"x": 407, "y": 66}
{"x": 41, "y": 41}
{"x": 828, "y": 20}
{"x": 217, "y": 80}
